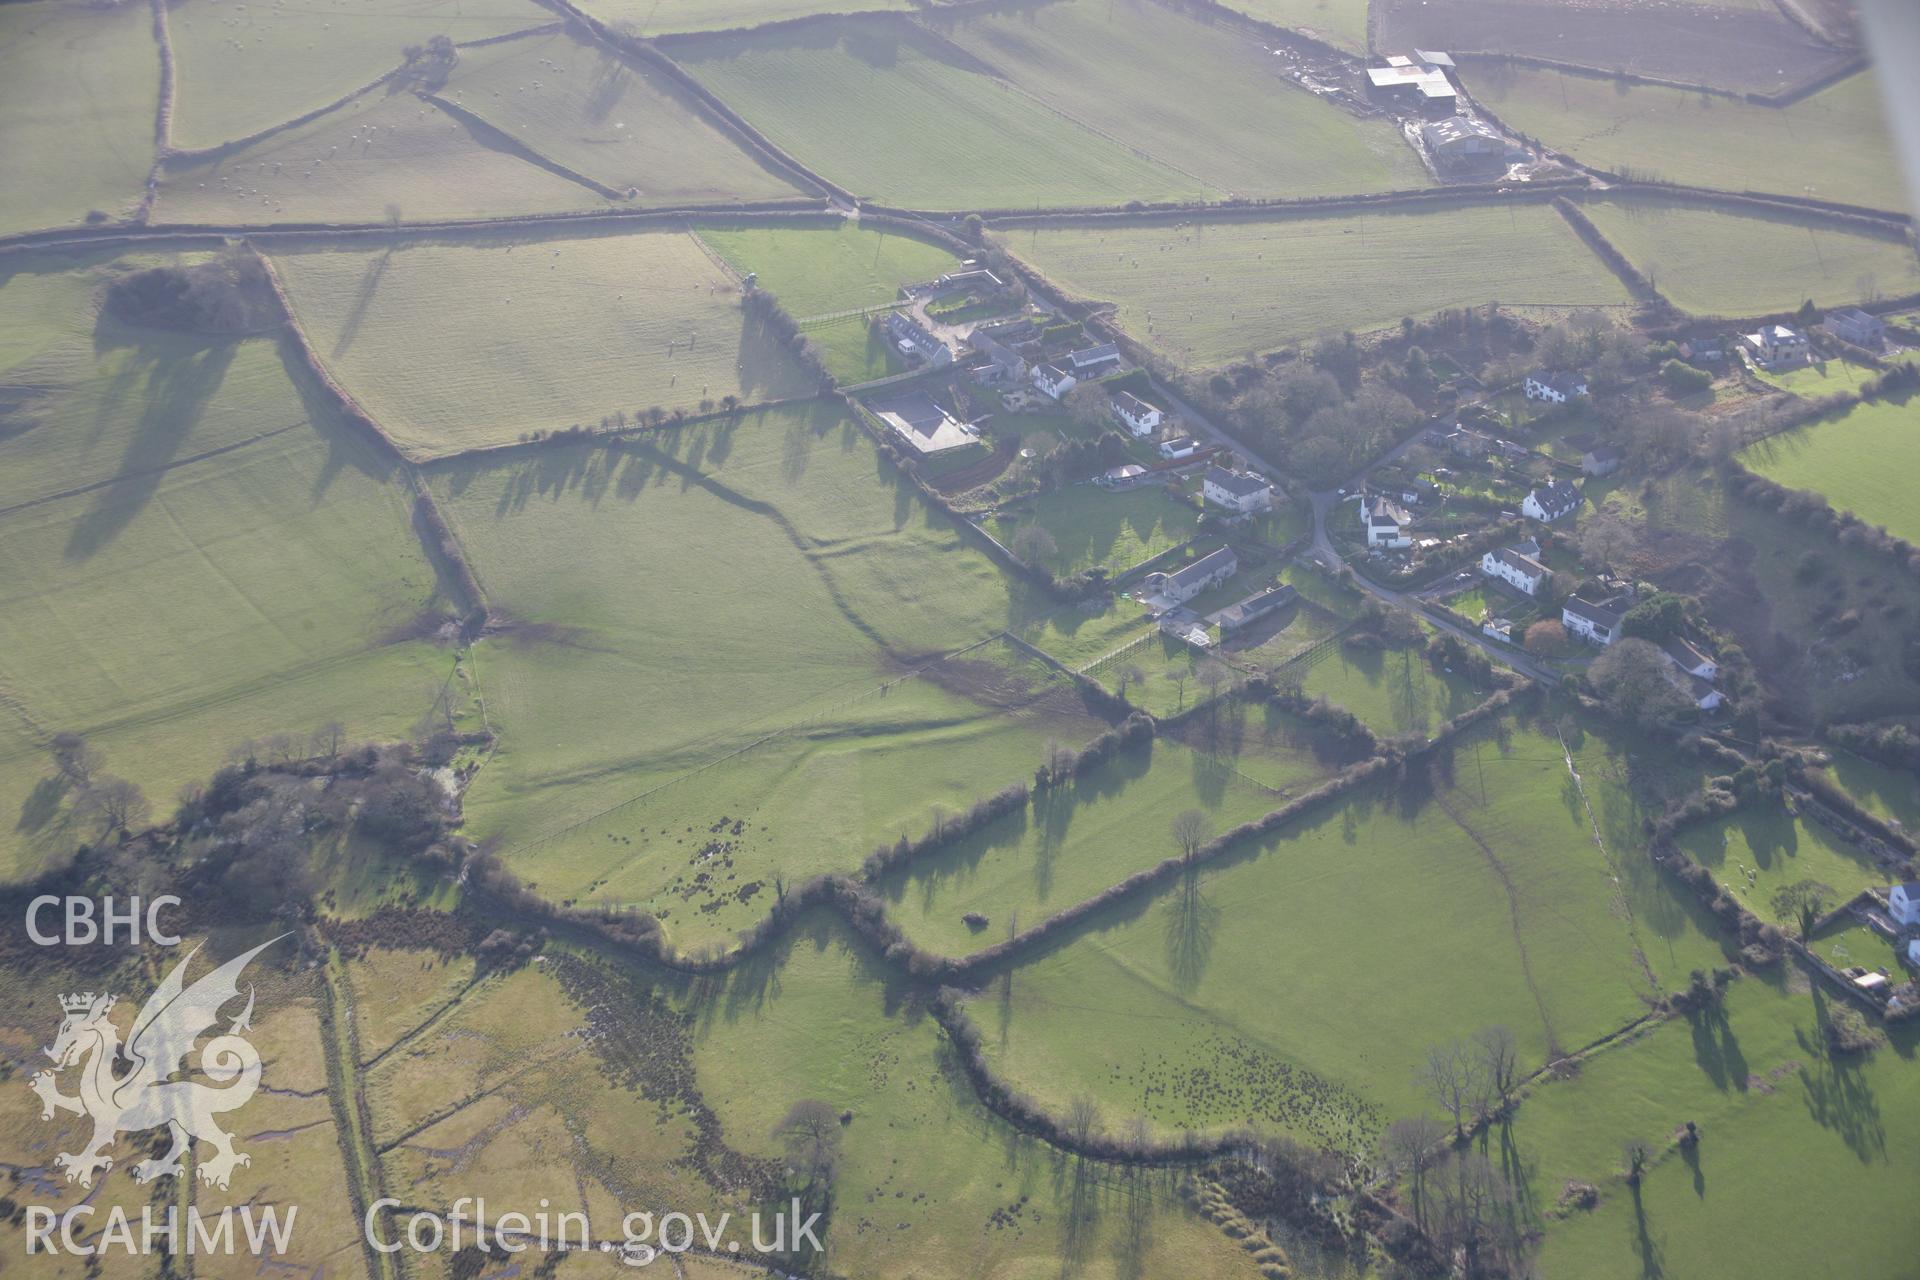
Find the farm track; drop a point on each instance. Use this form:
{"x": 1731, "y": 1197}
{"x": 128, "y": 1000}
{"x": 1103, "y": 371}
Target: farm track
{"x": 146, "y": 472}
{"x": 352, "y": 1119}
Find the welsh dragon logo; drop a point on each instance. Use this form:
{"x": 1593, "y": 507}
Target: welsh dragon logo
{"x": 146, "y": 1097}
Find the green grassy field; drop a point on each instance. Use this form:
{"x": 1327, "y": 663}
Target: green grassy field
{"x": 1831, "y": 146}
{"x": 819, "y": 271}
{"x": 1782, "y": 1124}
{"x": 701, "y": 852}
{"x": 1394, "y": 692}
{"x": 194, "y": 556}
{"x": 804, "y": 575}
{"x": 358, "y": 164}
{"x": 1858, "y": 460}
{"x": 1073, "y": 842}
{"x": 76, "y": 122}
{"x": 1341, "y": 23}
{"x": 859, "y": 102}
{"x": 1712, "y": 262}
{"x": 1886, "y": 793}
{"x": 1211, "y": 292}
{"x": 601, "y": 116}
{"x": 664, "y": 17}
{"x": 449, "y": 346}
{"x": 241, "y": 70}
{"x": 1092, "y": 528}
{"x": 1757, "y": 851}
{"x": 1240, "y": 129}
{"x": 1299, "y": 983}
{"x": 821, "y": 1020}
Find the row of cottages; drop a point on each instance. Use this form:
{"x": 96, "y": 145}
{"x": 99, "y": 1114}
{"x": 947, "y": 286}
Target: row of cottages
{"x": 1240, "y": 492}
{"x": 916, "y": 341}
{"x": 1555, "y": 386}
{"x": 1857, "y": 327}
{"x": 1139, "y": 417}
{"x": 1164, "y": 590}
{"x": 1776, "y": 346}
{"x": 1551, "y": 502}
{"x": 1069, "y": 371}
{"x": 1386, "y": 523}
{"x": 1524, "y": 573}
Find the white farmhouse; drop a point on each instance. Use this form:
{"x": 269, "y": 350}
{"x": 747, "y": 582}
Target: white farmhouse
{"x": 1777, "y": 347}
{"x": 1054, "y": 380}
{"x": 1236, "y": 491}
{"x": 1596, "y": 623}
{"x": 1903, "y": 903}
{"x": 1141, "y": 418}
{"x": 1551, "y": 502}
{"x": 1555, "y": 386}
{"x": 1523, "y": 573}
{"x": 1386, "y": 523}
{"x": 1183, "y": 585}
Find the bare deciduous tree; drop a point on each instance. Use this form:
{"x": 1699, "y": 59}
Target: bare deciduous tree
{"x": 1190, "y": 831}
{"x": 328, "y": 739}
{"x": 810, "y": 1131}
{"x": 1083, "y": 1119}
{"x": 76, "y": 761}
{"x": 1452, "y": 1077}
{"x": 1412, "y": 1149}
{"x": 113, "y": 805}
{"x": 1499, "y": 1060}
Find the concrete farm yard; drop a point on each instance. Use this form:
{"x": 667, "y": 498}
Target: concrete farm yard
{"x": 1103, "y": 638}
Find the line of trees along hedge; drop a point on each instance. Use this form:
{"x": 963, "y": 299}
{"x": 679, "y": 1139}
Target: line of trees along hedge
{"x": 765, "y": 308}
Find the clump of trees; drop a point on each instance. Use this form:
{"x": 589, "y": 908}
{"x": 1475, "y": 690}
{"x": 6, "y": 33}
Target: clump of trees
{"x": 228, "y": 294}
{"x": 1631, "y": 676}
{"x": 426, "y": 67}
{"x": 1317, "y": 415}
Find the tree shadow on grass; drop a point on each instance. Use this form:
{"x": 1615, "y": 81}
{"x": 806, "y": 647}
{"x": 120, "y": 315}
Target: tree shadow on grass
{"x": 1647, "y": 1251}
{"x": 1191, "y": 923}
{"x": 1716, "y": 1050}
{"x": 1836, "y": 1092}
{"x": 175, "y": 379}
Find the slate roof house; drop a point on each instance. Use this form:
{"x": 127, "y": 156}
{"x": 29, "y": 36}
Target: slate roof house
{"x": 1523, "y": 573}
{"x": 1179, "y": 447}
{"x": 1596, "y": 623}
{"x": 1551, "y": 502}
{"x": 915, "y": 340}
{"x": 1183, "y": 585}
{"x": 1555, "y": 386}
{"x": 1141, "y": 418}
{"x": 1602, "y": 459}
{"x": 1903, "y": 903}
{"x": 1861, "y": 328}
{"x": 1253, "y": 608}
{"x": 1237, "y": 491}
{"x": 1778, "y": 347}
{"x": 1069, "y": 371}
{"x": 1386, "y": 523}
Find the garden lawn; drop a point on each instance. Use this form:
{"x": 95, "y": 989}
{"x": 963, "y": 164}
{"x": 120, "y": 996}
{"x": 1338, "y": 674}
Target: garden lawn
{"x": 1831, "y": 146}
{"x": 374, "y": 156}
{"x": 1071, "y": 843}
{"x": 1781, "y": 1123}
{"x": 209, "y": 562}
{"x": 451, "y": 346}
{"x": 1095, "y": 529}
{"x": 823, "y": 270}
{"x": 76, "y": 122}
{"x": 858, "y": 102}
{"x": 1757, "y": 851}
{"x": 243, "y": 68}
{"x": 1241, "y": 127}
{"x": 622, "y": 125}
{"x": 1211, "y": 292}
{"x": 820, "y": 1019}
{"x": 1267, "y": 988}
{"x": 1712, "y": 262}
{"x": 1865, "y": 459}
{"x": 721, "y": 581}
